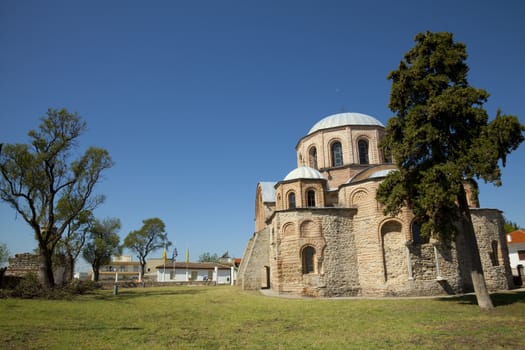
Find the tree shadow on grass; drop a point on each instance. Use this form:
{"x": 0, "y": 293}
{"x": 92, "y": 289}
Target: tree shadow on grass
{"x": 498, "y": 299}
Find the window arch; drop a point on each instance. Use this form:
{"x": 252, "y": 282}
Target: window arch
{"x": 362, "y": 146}
{"x": 310, "y": 198}
{"x": 312, "y": 157}
{"x": 308, "y": 259}
{"x": 393, "y": 245}
{"x": 291, "y": 200}
{"x": 288, "y": 229}
{"x": 309, "y": 228}
{"x": 337, "y": 154}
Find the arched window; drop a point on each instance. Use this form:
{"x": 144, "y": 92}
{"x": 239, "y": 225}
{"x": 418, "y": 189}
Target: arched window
{"x": 362, "y": 145}
{"x": 337, "y": 154}
{"x": 312, "y": 158}
{"x": 291, "y": 200}
{"x": 308, "y": 259}
{"x": 310, "y": 198}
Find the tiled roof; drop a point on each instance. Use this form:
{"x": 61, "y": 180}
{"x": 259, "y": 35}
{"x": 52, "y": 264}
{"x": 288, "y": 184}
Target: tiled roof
{"x": 268, "y": 191}
{"x": 516, "y": 237}
{"x": 192, "y": 265}
{"x": 124, "y": 263}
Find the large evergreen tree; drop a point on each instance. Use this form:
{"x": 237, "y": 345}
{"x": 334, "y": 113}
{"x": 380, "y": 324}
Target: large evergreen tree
{"x": 441, "y": 139}
{"x": 46, "y": 185}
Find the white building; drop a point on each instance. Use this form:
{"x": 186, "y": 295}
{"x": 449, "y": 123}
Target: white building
{"x": 121, "y": 268}
{"x": 516, "y": 244}
{"x": 196, "y": 272}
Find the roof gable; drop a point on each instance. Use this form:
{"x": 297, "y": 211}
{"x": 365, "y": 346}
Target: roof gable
{"x": 516, "y": 237}
{"x": 268, "y": 191}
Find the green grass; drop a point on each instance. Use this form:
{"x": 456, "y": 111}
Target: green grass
{"x": 227, "y": 318}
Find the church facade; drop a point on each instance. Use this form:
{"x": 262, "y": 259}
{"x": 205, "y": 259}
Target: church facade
{"x": 320, "y": 231}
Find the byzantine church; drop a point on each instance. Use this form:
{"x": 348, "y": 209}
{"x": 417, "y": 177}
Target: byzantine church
{"x": 319, "y": 231}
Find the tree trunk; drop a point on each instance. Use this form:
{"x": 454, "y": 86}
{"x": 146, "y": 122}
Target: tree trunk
{"x": 473, "y": 258}
{"x": 46, "y": 267}
{"x": 95, "y": 272}
{"x": 69, "y": 268}
{"x": 2, "y": 274}
{"x": 142, "y": 268}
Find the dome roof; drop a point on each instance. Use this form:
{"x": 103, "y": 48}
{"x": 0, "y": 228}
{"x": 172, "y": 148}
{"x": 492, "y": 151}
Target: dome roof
{"x": 341, "y": 119}
{"x": 303, "y": 172}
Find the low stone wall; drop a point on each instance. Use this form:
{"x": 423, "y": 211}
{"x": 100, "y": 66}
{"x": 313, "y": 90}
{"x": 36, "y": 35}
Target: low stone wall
{"x": 23, "y": 263}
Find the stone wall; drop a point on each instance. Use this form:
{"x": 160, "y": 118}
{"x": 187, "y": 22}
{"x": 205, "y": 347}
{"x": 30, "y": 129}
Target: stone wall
{"x": 329, "y": 232}
{"x": 341, "y": 272}
{"x": 359, "y": 251}
{"x": 23, "y": 263}
{"x": 492, "y": 244}
{"x": 251, "y": 274}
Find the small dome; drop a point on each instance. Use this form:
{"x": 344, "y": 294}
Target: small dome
{"x": 303, "y": 172}
{"x": 342, "y": 119}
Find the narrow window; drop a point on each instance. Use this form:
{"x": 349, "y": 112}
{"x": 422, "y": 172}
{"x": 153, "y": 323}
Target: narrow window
{"x": 310, "y": 196}
{"x": 313, "y": 158}
{"x": 521, "y": 254}
{"x": 337, "y": 154}
{"x": 494, "y": 253}
{"x": 416, "y": 234}
{"x": 291, "y": 200}
{"x": 308, "y": 260}
{"x": 362, "y": 145}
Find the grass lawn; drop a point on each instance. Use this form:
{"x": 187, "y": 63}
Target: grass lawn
{"x": 228, "y": 318}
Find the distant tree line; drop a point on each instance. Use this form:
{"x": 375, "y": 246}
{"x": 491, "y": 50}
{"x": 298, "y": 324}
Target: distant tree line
{"x": 510, "y": 226}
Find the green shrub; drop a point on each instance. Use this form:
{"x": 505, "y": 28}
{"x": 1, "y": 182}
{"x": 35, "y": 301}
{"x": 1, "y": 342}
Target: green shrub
{"x": 78, "y": 287}
{"x": 28, "y": 287}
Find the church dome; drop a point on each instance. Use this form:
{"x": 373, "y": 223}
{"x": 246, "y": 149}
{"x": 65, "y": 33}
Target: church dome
{"x": 303, "y": 172}
{"x": 342, "y": 119}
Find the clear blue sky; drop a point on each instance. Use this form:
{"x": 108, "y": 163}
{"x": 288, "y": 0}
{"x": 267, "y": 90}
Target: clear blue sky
{"x": 197, "y": 101}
